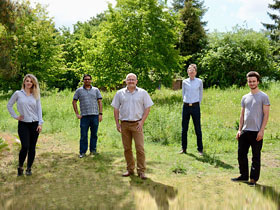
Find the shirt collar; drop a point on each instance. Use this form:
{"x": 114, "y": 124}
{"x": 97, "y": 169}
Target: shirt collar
{"x": 87, "y": 89}
{"x": 22, "y": 90}
{"x": 126, "y": 90}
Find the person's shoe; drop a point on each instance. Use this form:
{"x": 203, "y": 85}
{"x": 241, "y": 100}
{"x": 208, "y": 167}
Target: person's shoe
{"x": 239, "y": 179}
{"x": 20, "y": 171}
{"x": 93, "y": 153}
{"x": 142, "y": 175}
{"x": 28, "y": 172}
{"x": 252, "y": 183}
{"x": 82, "y": 155}
{"x": 128, "y": 173}
{"x": 200, "y": 153}
{"x": 183, "y": 151}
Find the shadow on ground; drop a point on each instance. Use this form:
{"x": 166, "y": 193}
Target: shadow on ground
{"x": 270, "y": 193}
{"x": 161, "y": 193}
{"x": 211, "y": 160}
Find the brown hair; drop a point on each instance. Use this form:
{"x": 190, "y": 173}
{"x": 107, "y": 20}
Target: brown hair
{"x": 254, "y": 74}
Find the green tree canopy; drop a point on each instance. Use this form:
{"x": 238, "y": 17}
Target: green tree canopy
{"x": 139, "y": 36}
{"x": 230, "y": 56}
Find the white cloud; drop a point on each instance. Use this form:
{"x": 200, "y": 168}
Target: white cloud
{"x": 68, "y": 12}
{"x": 252, "y": 9}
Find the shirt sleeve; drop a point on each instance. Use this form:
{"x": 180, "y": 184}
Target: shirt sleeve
{"x": 76, "y": 95}
{"x": 39, "y": 110}
{"x": 200, "y": 91}
{"x": 266, "y": 100}
{"x": 183, "y": 89}
{"x": 147, "y": 100}
{"x": 116, "y": 101}
{"x": 243, "y": 102}
{"x": 98, "y": 94}
{"x": 10, "y": 104}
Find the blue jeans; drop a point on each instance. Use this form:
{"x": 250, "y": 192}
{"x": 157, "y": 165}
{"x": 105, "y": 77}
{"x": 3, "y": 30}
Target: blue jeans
{"x": 86, "y": 122}
{"x": 193, "y": 111}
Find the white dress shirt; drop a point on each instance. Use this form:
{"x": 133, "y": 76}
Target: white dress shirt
{"x": 192, "y": 90}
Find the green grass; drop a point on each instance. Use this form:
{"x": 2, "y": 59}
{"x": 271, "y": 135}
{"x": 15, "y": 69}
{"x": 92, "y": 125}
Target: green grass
{"x": 63, "y": 181}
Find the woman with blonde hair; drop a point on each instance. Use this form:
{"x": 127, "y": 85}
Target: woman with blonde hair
{"x": 29, "y": 120}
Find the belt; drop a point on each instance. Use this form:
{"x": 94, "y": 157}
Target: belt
{"x": 127, "y": 121}
{"x": 193, "y": 104}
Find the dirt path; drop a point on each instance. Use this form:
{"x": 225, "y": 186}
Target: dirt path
{"x": 63, "y": 181}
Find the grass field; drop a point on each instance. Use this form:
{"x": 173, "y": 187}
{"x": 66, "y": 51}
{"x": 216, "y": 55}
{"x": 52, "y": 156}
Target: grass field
{"x": 61, "y": 180}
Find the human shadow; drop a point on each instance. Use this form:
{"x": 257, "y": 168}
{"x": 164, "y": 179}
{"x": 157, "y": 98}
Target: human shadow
{"x": 160, "y": 192}
{"x": 270, "y": 193}
{"x": 212, "y": 160}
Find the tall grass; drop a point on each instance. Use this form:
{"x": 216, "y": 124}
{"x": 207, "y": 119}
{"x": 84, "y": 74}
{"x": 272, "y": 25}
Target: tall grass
{"x": 220, "y": 110}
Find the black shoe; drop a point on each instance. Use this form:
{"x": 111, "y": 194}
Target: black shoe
{"x": 28, "y": 172}
{"x": 20, "y": 171}
{"x": 183, "y": 151}
{"x": 239, "y": 179}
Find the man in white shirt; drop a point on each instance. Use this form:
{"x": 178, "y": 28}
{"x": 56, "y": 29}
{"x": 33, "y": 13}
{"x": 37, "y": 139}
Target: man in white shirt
{"x": 131, "y": 109}
{"x": 192, "y": 96}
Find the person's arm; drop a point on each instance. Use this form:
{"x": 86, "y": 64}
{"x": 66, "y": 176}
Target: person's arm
{"x": 10, "y": 105}
{"x": 116, "y": 115}
{"x": 200, "y": 92}
{"x": 264, "y": 122}
{"x": 74, "y": 103}
{"x": 241, "y": 122}
{"x": 100, "y": 109}
{"x": 144, "y": 117}
{"x": 40, "y": 117}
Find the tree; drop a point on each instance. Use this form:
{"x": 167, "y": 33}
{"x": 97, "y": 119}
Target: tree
{"x": 230, "y": 56}
{"x": 275, "y": 27}
{"x": 32, "y": 48}
{"x": 139, "y": 36}
{"x": 193, "y": 36}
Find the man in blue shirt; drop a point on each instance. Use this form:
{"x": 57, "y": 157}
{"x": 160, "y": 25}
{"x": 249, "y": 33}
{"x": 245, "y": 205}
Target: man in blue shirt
{"x": 91, "y": 114}
{"x": 192, "y": 95}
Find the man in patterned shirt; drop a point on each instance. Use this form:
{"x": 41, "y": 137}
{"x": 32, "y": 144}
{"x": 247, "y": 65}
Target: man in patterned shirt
{"x": 91, "y": 114}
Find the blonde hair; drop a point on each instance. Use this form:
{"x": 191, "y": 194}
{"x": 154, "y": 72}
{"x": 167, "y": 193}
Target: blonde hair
{"x": 35, "y": 90}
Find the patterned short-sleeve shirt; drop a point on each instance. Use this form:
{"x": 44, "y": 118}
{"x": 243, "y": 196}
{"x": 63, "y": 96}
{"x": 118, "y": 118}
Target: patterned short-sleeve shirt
{"x": 88, "y": 100}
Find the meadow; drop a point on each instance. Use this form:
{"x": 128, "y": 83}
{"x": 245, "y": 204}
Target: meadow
{"x": 61, "y": 180}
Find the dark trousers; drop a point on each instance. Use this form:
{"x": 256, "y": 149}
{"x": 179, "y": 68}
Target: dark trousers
{"x": 247, "y": 139}
{"x": 28, "y": 135}
{"x": 92, "y": 122}
{"x": 193, "y": 111}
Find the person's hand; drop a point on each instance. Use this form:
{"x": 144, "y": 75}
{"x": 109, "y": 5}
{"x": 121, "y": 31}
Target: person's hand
{"x": 20, "y": 118}
{"x": 139, "y": 126}
{"x": 119, "y": 128}
{"x": 238, "y": 135}
{"x": 100, "y": 118}
{"x": 260, "y": 135}
{"x": 79, "y": 116}
{"x": 39, "y": 128}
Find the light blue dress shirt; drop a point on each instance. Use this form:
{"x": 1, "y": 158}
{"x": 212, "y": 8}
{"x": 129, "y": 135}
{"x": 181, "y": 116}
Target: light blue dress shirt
{"x": 27, "y": 106}
{"x": 192, "y": 90}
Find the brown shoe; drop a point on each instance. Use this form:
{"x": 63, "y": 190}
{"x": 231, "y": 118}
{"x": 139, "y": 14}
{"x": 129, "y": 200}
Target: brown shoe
{"x": 142, "y": 175}
{"x": 128, "y": 173}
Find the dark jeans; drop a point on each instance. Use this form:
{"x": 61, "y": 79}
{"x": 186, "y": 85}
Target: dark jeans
{"x": 193, "y": 111}
{"x": 92, "y": 122}
{"x": 28, "y": 138}
{"x": 247, "y": 139}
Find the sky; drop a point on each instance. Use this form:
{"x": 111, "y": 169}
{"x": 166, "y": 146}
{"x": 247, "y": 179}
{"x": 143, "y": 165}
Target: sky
{"x": 222, "y": 15}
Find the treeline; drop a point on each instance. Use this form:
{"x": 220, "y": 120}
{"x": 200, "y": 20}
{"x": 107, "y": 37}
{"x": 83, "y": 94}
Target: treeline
{"x": 141, "y": 36}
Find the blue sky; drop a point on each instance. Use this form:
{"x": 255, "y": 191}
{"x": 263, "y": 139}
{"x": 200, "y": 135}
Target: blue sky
{"x": 222, "y": 15}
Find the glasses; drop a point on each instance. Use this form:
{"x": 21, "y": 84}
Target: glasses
{"x": 87, "y": 79}
{"x": 131, "y": 80}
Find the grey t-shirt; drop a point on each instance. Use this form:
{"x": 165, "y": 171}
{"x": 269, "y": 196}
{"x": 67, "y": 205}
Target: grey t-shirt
{"x": 253, "y": 104}
{"x": 88, "y": 100}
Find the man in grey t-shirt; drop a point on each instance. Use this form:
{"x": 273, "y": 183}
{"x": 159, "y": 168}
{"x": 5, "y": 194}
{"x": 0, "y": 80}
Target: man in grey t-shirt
{"x": 253, "y": 119}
